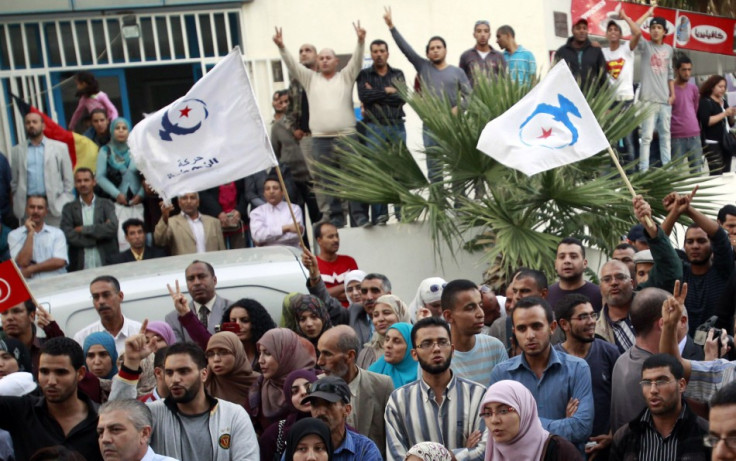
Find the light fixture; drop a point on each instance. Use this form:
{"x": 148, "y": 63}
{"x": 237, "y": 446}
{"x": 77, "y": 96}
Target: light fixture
{"x": 130, "y": 27}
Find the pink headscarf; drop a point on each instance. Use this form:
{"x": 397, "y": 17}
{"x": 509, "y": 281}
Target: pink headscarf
{"x": 529, "y": 442}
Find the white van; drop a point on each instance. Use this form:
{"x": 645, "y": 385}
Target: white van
{"x": 265, "y": 274}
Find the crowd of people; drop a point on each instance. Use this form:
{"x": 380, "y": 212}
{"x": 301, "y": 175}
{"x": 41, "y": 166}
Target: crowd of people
{"x": 636, "y": 366}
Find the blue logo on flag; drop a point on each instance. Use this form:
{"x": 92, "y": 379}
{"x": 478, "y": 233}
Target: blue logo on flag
{"x": 187, "y": 116}
{"x": 550, "y": 126}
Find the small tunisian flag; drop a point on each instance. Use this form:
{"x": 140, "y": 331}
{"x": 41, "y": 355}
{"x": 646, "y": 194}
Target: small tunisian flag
{"x": 550, "y": 127}
{"x": 211, "y": 136}
{"x": 12, "y": 287}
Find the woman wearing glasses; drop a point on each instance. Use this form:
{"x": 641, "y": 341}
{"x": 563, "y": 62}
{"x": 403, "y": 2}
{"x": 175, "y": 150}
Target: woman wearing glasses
{"x": 296, "y": 387}
{"x": 229, "y": 374}
{"x": 514, "y": 429}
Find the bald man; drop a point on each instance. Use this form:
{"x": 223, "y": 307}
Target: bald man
{"x": 331, "y": 115}
{"x": 338, "y": 348}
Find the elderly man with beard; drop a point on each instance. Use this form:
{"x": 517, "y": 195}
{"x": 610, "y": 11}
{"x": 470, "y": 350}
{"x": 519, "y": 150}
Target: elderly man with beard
{"x": 338, "y": 349}
{"x": 330, "y": 402}
{"x": 189, "y": 424}
{"x": 439, "y": 406}
{"x": 577, "y": 318}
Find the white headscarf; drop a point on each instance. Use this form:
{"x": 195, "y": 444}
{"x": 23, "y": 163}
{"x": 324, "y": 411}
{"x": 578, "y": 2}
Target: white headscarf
{"x": 429, "y": 291}
{"x": 353, "y": 276}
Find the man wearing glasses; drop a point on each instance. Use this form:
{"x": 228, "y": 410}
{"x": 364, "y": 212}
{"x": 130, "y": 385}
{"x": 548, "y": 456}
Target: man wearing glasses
{"x": 667, "y": 428}
{"x": 439, "y": 406}
{"x": 576, "y": 318}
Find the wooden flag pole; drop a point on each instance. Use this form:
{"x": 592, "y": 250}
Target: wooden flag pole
{"x": 291, "y": 210}
{"x": 626, "y": 180}
{"x": 23, "y": 279}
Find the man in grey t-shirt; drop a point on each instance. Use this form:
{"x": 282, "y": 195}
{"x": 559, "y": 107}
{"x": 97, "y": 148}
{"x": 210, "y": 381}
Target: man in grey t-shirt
{"x": 657, "y": 89}
{"x": 437, "y": 77}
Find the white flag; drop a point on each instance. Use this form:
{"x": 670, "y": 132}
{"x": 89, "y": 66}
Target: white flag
{"x": 550, "y": 127}
{"x": 211, "y": 136}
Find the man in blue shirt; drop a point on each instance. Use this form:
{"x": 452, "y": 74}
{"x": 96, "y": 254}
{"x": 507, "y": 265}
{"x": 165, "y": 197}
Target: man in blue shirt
{"x": 330, "y": 399}
{"x": 520, "y": 62}
{"x": 556, "y": 380}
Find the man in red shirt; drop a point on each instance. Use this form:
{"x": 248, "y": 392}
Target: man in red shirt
{"x": 332, "y": 266}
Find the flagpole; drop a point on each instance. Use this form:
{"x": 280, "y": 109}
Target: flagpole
{"x": 291, "y": 210}
{"x": 23, "y": 279}
{"x": 626, "y": 180}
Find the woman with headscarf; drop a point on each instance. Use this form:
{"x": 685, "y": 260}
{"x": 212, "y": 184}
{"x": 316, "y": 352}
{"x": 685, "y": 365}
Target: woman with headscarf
{"x": 296, "y": 387}
{"x": 229, "y": 374}
{"x": 309, "y": 439}
{"x": 397, "y": 362}
{"x": 352, "y": 285}
{"x": 281, "y": 352}
{"x": 429, "y": 451}
{"x": 311, "y": 317}
{"x": 118, "y": 175}
{"x": 426, "y": 303}
{"x": 15, "y": 368}
{"x": 389, "y": 309}
{"x": 514, "y": 429}
{"x": 100, "y": 355}
{"x": 161, "y": 332}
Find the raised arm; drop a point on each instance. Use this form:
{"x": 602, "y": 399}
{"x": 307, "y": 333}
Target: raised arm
{"x": 353, "y": 67}
{"x": 672, "y": 310}
{"x": 416, "y": 60}
{"x": 635, "y": 30}
{"x": 301, "y": 73}
{"x": 667, "y": 266}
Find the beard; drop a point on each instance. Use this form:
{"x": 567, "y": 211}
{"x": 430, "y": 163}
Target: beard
{"x": 189, "y": 394}
{"x": 435, "y": 369}
{"x": 581, "y": 338}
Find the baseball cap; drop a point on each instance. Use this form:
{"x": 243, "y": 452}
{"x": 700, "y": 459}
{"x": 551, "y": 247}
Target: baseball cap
{"x": 330, "y": 388}
{"x": 636, "y": 234}
{"x": 580, "y": 19}
{"x": 613, "y": 23}
{"x": 659, "y": 20}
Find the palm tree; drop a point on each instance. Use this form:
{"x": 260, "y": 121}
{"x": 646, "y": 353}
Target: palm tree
{"x": 517, "y": 220}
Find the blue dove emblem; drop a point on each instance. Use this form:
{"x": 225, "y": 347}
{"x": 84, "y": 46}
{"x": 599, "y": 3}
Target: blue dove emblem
{"x": 188, "y": 116}
{"x": 550, "y": 126}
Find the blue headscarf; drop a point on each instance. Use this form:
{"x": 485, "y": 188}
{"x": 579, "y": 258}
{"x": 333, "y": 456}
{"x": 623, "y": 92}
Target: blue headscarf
{"x": 119, "y": 157}
{"x": 405, "y": 371}
{"x": 105, "y": 340}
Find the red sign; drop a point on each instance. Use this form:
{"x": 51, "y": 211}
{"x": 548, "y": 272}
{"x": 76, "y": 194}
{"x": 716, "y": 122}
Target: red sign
{"x": 685, "y": 29}
{"x": 13, "y": 289}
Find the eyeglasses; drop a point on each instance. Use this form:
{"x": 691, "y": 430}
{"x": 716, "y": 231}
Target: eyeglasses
{"x": 373, "y": 290}
{"x": 443, "y": 343}
{"x": 657, "y": 382}
{"x": 618, "y": 277}
{"x": 220, "y": 353}
{"x": 500, "y": 412}
{"x": 435, "y": 288}
{"x": 585, "y": 317}
{"x": 711, "y": 441}
{"x": 307, "y": 387}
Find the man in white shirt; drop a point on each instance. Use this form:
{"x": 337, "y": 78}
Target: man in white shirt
{"x": 271, "y": 223}
{"x": 620, "y": 57}
{"x": 38, "y": 249}
{"x": 190, "y": 231}
{"x": 107, "y": 297}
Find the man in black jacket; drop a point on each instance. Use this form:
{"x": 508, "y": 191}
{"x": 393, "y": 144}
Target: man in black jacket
{"x": 586, "y": 61}
{"x": 667, "y": 428}
{"x": 135, "y": 234}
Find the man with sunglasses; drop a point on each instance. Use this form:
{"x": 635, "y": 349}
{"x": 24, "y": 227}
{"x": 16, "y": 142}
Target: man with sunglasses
{"x": 330, "y": 402}
{"x": 576, "y": 317}
{"x": 372, "y": 287}
{"x": 439, "y": 406}
{"x": 667, "y": 428}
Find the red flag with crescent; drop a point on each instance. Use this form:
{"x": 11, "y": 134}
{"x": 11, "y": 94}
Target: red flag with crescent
{"x": 13, "y": 289}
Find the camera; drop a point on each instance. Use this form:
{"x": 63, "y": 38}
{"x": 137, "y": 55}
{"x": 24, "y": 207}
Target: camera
{"x": 701, "y": 334}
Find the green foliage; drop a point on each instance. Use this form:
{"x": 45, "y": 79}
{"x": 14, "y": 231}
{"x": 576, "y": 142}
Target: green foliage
{"x": 515, "y": 219}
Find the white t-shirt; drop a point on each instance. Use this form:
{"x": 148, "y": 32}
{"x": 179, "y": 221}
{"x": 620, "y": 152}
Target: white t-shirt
{"x": 620, "y": 67}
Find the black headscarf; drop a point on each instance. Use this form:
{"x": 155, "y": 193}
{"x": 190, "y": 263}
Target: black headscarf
{"x": 19, "y": 352}
{"x": 303, "y": 428}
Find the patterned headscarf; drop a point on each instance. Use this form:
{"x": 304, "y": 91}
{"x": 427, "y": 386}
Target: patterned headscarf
{"x": 308, "y": 303}
{"x": 430, "y": 451}
{"x": 19, "y": 351}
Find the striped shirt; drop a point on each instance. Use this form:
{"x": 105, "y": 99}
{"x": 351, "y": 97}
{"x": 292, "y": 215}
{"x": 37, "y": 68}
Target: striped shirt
{"x": 413, "y": 416}
{"x": 707, "y": 377}
{"x": 477, "y": 363}
{"x": 655, "y": 448}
